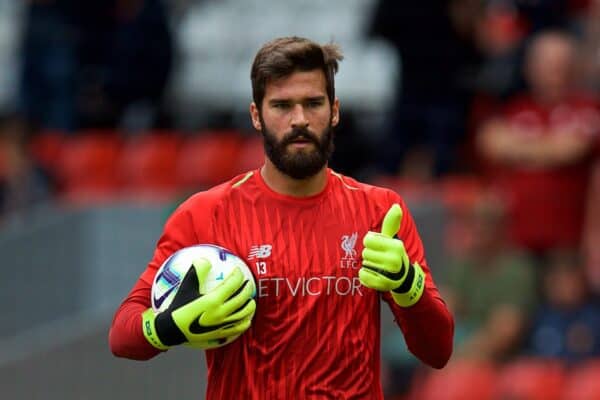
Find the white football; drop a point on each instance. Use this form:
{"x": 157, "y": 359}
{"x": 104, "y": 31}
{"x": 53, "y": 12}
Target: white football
{"x": 169, "y": 276}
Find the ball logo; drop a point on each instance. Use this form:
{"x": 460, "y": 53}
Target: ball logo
{"x": 159, "y": 300}
{"x": 167, "y": 281}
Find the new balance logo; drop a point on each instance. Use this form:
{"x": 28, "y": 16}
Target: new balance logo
{"x": 262, "y": 251}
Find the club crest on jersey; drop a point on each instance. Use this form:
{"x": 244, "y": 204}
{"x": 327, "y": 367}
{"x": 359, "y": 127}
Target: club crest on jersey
{"x": 348, "y": 245}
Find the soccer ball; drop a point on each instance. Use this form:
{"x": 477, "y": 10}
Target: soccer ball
{"x": 169, "y": 276}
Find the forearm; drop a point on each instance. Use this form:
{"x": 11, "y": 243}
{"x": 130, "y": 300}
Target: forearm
{"x": 416, "y": 303}
{"x": 498, "y": 336}
{"x": 428, "y": 328}
{"x": 555, "y": 151}
{"x": 499, "y": 144}
{"x": 126, "y": 338}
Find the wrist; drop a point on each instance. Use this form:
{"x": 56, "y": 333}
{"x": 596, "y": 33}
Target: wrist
{"x": 411, "y": 290}
{"x": 149, "y": 330}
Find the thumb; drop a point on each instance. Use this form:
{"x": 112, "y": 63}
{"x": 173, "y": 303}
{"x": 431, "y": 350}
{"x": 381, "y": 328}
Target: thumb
{"x": 391, "y": 221}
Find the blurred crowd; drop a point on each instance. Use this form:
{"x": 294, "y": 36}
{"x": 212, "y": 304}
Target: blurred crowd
{"x": 496, "y": 114}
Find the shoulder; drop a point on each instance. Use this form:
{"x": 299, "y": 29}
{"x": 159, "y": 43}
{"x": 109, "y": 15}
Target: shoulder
{"x": 375, "y": 193}
{"x": 520, "y": 102}
{"x": 585, "y": 99}
{"x": 207, "y": 200}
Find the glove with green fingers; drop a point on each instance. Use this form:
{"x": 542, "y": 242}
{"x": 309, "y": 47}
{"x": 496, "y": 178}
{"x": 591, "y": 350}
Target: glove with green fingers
{"x": 202, "y": 318}
{"x": 386, "y": 266}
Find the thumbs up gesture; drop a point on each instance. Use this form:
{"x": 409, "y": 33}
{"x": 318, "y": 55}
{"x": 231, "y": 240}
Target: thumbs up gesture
{"x": 386, "y": 266}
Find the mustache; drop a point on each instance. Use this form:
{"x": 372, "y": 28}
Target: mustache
{"x": 299, "y": 133}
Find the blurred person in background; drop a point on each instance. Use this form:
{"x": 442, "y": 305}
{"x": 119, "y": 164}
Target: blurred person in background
{"x": 566, "y": 326}
{"x": 23, "y": 184}
{"x": 591, "y": 232}
{"x": 85, "y": 64}
{"x": 540, "y": 148}
{"x": 489, "y": 284}
{"x": 590, "y": 49}
{"x": 544, "y": 14}
{"x": 49, "y": 66}
{"x": 134, "y": 70}
{"x": 502, "y": 35}
{"x": 435, "y": 42}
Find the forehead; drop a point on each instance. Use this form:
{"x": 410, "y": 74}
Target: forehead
{"x": 551, "y": 48}
{"x": 300, "y": 84}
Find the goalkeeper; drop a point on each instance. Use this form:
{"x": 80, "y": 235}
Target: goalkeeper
{"x": 324, "y": 248}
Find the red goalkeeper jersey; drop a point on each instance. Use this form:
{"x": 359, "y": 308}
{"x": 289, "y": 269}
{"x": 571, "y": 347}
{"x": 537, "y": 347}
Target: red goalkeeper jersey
{"x": 316, "y": 331}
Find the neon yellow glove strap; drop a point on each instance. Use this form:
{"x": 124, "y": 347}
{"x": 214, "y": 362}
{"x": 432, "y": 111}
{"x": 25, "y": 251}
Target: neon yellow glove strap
{"x": 412, "y": 295}
{"x": 149, "y": 329}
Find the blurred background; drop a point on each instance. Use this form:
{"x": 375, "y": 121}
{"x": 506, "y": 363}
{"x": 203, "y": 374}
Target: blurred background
{"x": 483, "y": 114}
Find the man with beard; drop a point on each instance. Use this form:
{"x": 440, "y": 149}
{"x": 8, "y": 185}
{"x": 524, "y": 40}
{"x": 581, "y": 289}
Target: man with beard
{"x": 296, "y": 223}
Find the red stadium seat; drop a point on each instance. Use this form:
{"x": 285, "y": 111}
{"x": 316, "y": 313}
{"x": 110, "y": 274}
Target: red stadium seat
{"x": 459, "y": 380}
{"x": 87, "y": 166}
{"x": 460, "y": 192}
{"x": 531, "y": 379}
{"x": 148, "y": 163}
{"x": 252, "y": 154}
{"x": 45, "y": 148}
{"x": 208, "y": 159}
{"x": 583, "y": 382}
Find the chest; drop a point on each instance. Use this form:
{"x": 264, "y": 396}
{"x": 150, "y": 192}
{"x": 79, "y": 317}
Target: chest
{"x": 563, "y": 118}
{"x": 305, "y": 253}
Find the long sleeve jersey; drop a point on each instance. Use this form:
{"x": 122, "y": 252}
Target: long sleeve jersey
{"x": 316, "y": 331}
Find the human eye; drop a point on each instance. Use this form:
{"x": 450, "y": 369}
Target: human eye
{"x": 314, "y": 103}
{"x": 281, "y": 105}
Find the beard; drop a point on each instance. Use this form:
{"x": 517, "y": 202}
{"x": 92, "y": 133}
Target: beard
{"x": 303, "y": 163}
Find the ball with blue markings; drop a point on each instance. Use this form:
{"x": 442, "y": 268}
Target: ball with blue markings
{"x": 168, "y": 277}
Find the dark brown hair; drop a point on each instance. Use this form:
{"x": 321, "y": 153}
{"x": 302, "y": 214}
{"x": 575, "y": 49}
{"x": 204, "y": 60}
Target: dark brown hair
{"x": 283, "y": 56}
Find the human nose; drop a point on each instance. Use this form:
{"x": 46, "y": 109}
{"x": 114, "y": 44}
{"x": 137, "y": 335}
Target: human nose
{"x": 298, "y": 117}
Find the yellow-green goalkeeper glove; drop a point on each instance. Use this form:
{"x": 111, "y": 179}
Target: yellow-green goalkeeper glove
{"x": 195, "y": 317}
{"x": 386, "y": 266}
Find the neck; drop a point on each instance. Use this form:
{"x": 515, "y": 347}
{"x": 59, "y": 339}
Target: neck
{"x": 549, "y": 97}
{"x": 286, "y": 185}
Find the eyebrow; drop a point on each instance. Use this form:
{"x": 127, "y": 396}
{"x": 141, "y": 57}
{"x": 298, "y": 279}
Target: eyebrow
{"x": 307, "y": 99}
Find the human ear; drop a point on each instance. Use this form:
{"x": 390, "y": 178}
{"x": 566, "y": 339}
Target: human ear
{"x": 255, "y": 116}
